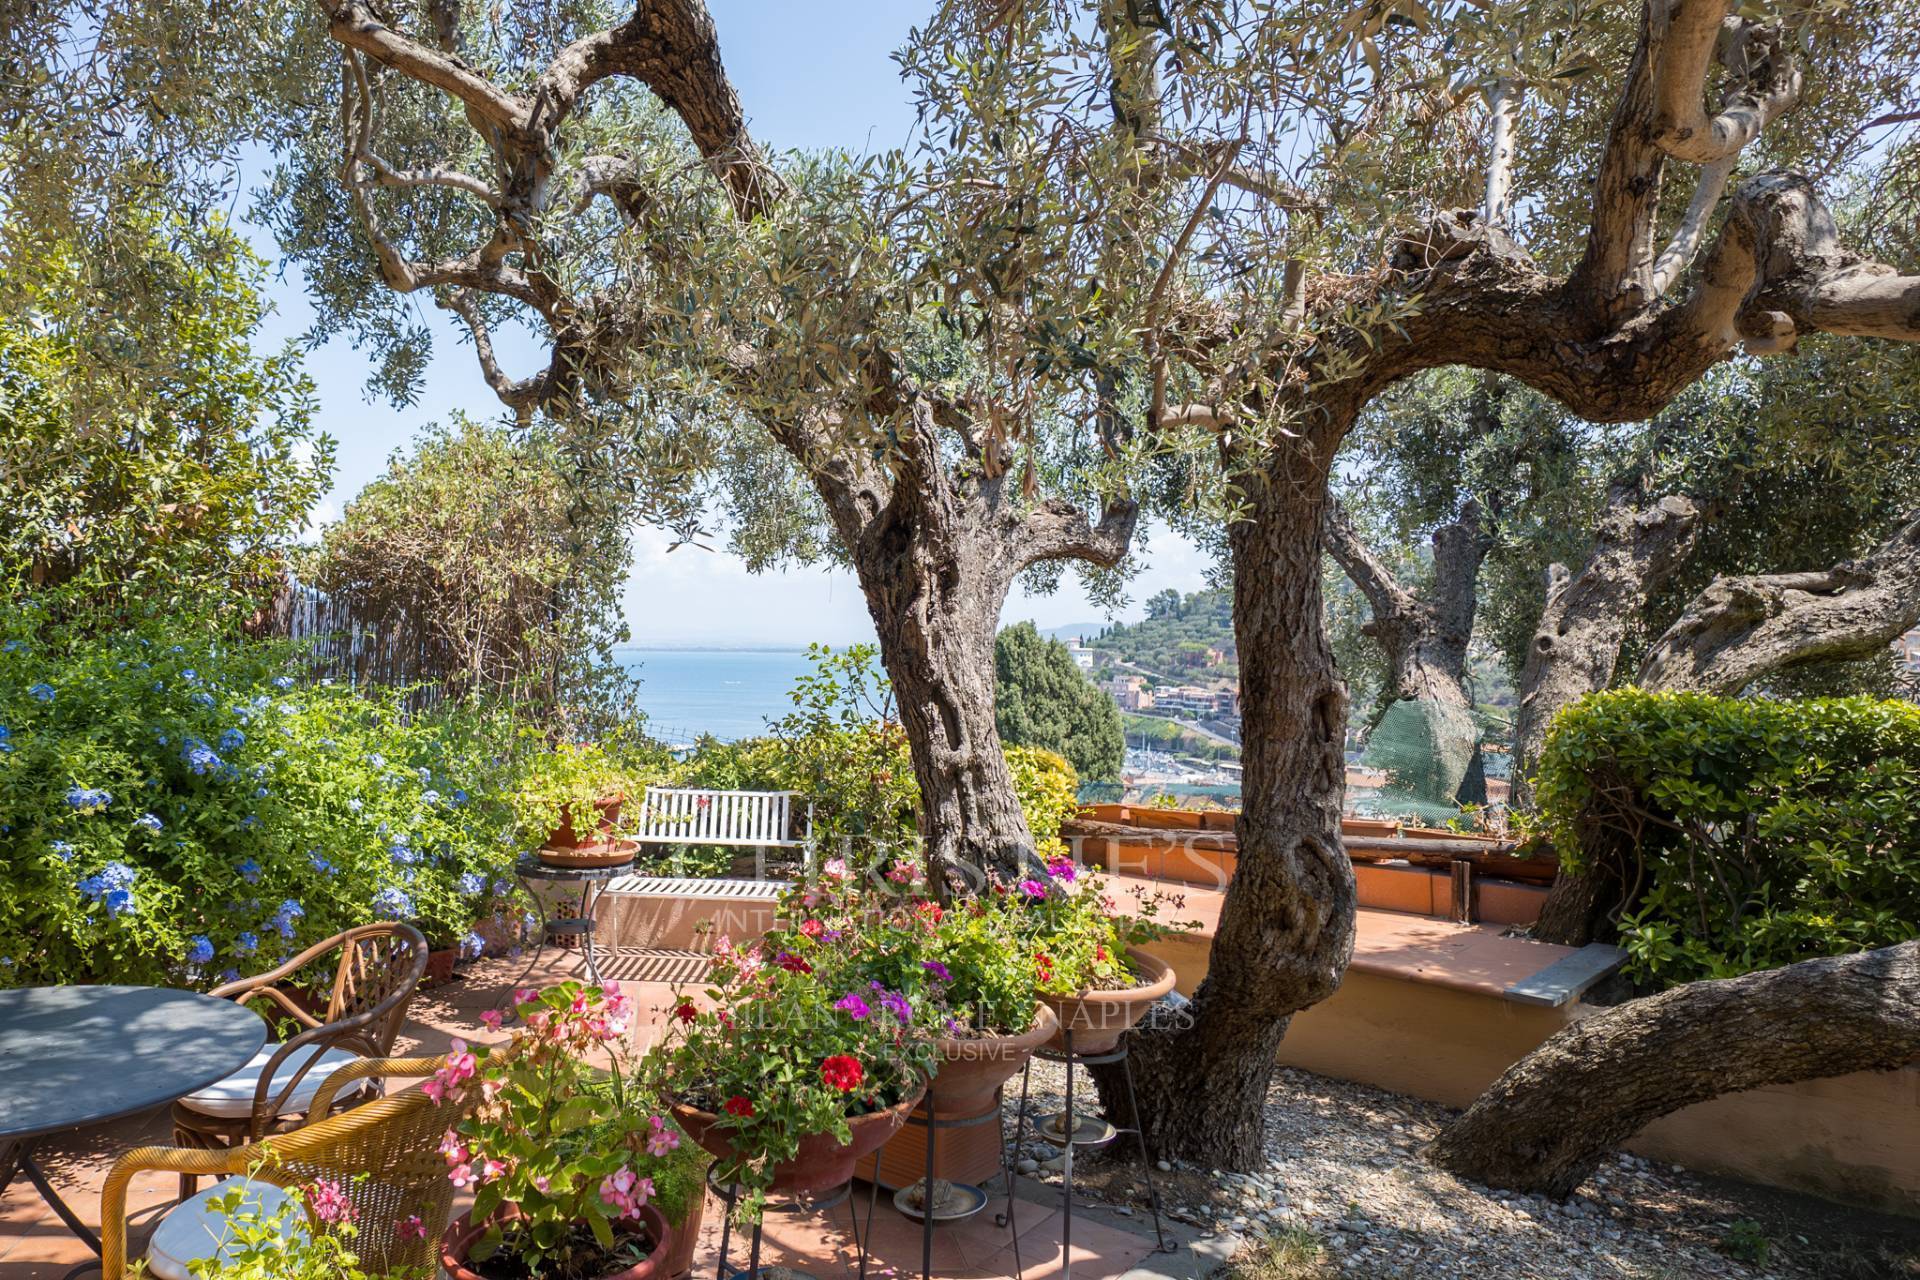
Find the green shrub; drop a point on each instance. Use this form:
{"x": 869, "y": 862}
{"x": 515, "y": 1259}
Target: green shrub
{"x": 178, "y": 806}
{"x": 1746, "y": 833}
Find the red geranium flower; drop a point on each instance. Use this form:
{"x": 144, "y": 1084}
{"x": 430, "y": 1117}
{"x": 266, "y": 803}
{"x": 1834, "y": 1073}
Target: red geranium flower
{"x": 842, "y": 1072}
{"x": 686, "y": 1012}
{"x": 932, "y": 911}
{"x": 812, "y": 928}
{"x": 738, "y": 1105}
{"x": 1044, "y": 963}
{"x": 792, "y": 963}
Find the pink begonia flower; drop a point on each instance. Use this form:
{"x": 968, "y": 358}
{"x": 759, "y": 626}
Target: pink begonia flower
{"x": 492, "y": 1019}
{"x": 662, "y": 1140}
{"x": 491, "y": 1169}
{"x": 461, "y": 1175}
{"x": 542, "y": 1184}
{"x": 454, "y": 1149}
{"x": 329, "y": 1203}
{"x": 525, "y": 995}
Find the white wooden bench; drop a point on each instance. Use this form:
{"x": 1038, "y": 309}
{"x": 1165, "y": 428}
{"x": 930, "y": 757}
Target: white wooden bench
{"x": 743, "y": 819}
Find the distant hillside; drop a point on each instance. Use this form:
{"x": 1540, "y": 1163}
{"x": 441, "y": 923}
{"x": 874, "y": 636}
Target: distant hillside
{"x": 1182, "y": 638}
{"x": 1074, "y": 631}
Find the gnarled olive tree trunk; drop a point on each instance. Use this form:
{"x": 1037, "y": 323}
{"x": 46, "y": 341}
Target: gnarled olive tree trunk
{"x": 1286, "y": 929}
{"x": 1548, "y": 1121}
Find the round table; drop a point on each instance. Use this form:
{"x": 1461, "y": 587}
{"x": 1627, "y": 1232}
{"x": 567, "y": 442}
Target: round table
{"x": 593, "y": 883}
{"x": 77, "y": 1056}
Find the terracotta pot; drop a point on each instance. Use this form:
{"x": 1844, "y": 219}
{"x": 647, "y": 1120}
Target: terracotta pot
{"x": 686, "y": 1236}
{"x": 605, "y": 853}
{"x": 464, "y": 1234}
{"x": 606, "y": 817}
{"x": 823, "y": 1162}
{"x": 1099, "y": 1018}
{"x": 971, "y": 1071}
{"x": 439, "y": 967}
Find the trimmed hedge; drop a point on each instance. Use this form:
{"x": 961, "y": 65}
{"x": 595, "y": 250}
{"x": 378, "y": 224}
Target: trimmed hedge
{"x": 1744, "y": 833}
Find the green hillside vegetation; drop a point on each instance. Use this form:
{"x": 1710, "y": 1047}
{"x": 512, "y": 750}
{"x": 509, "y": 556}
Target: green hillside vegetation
{"x": 1176, "y": 638}
{"x": 1165, "y": 735}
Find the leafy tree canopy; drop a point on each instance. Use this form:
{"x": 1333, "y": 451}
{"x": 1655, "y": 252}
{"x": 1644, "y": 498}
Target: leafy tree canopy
{"x": 1043, "y": 699}
{"x": 190, "y": 466}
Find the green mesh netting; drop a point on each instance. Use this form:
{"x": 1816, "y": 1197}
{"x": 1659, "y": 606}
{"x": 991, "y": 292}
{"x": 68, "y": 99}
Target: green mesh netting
{"x": 1426, "y": 750}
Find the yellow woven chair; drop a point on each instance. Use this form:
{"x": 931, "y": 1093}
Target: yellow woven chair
{"x": 384, "y": 1155}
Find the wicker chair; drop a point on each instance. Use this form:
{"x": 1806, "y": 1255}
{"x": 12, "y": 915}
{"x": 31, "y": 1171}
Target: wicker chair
{"x": 384, "y": 1155}
{"x": 379, "y": 969}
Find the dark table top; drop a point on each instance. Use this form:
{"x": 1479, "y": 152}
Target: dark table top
{"x": 73, "y": 1056}
{"x": 531, "y": 868}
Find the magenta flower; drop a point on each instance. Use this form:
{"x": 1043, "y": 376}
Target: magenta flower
{"x": 852, "y": 1005}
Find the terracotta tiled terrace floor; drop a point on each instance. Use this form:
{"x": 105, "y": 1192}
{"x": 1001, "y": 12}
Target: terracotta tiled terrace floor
{"x": 35, "y": 1246}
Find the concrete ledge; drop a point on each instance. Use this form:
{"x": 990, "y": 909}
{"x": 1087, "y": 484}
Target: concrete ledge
{"x": 1569, "y": 977}
{"x": 673, "y": 914}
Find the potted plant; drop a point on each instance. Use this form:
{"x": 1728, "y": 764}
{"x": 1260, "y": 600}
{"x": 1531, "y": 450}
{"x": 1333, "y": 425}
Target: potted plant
{"x": 310, "y": 1234}
{"x": 1085, "y": 954}
{"x": 571, "y": 1173}
{"x": 569, "y": 799}
{"x": 805, "y": 1058}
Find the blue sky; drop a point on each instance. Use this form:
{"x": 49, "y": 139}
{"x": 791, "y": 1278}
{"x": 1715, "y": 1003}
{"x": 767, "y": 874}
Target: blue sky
{"x": 812, "y": 75}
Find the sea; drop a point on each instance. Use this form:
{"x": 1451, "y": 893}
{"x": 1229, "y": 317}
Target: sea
{"x": 727, "y": 693}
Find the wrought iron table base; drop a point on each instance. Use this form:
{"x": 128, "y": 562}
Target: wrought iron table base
{"x": 593, "y": 886}
{"x": 1073, "y": 1059}
{"x": 730, "y": 1192}
{"x": 933, "y": 1123}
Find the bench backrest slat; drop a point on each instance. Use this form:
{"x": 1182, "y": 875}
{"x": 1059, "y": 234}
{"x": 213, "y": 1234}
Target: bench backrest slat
{"x": 691, "y": 815}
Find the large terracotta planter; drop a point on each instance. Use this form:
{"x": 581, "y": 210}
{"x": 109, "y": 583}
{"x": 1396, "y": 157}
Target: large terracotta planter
{"x": 605, "y": 817}
{"x": 686, "y": 1237}
{"x": 971, "y": 1071}
{"x": 823, "y": 1162}
{"x": 464, "y": 1234}
{"x": 440, "y": 962}
{"x": 604, "y": 853}
{"x": 1099, "y": 1018}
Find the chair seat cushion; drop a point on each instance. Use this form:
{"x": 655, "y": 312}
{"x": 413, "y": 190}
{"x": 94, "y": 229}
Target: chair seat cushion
{"x": 232, "y": 1098}
{"x": 193, "y": 1229}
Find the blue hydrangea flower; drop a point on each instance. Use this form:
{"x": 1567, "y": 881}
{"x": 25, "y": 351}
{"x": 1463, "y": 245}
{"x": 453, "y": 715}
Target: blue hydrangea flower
{"x": 424, "y": 774}
{"x": 12, "y": 646}
{"x": 150, "y": 821}
{"x": 250, "y": 871}
{"x": 261, "y": 793}
{"x": 353, "y": 805}
{"x": 283, "y": 919}
{"x": 430, "y": 798}
{"x": 202, "y": 699}
{"x": 319, "y": 861}
{"x": 459, "y": 797}
{"x": 199, "y": 757}
{"x": 402, "y": 854}
{"x": 393, "y": 904}
{"x": 6, "y": 740}
{"x": 42, "y": 691}
{"x": 473, "y": 884}
{"x": 201, "y": 952}
{"x": 503, "y": 887}
{"x": 229, "y": 975}
{"x": 377, "y": 760}
{"x": 246, "y": 944}
{"x": 62, "y": 850}
{"x": 88, "y": 799}
{"x": 189, "y": 675}
{"x": 283, "y": 682}
{"x": 232, "y": 740}
{"x": 249, "y": 822}
{"x": 471, "y": 946}
{"x": 112, "y": 887}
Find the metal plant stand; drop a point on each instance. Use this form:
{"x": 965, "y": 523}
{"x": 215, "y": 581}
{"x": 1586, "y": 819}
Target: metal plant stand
{"x": 797, "y": 1204}
{"x": 932, "y": 1122}
{"x": 593, "y": 883}
{"x": 1071, "y": 1139}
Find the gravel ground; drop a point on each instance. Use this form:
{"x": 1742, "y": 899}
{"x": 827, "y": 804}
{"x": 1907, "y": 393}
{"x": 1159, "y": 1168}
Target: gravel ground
{"x": 1345, "y": 1177}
